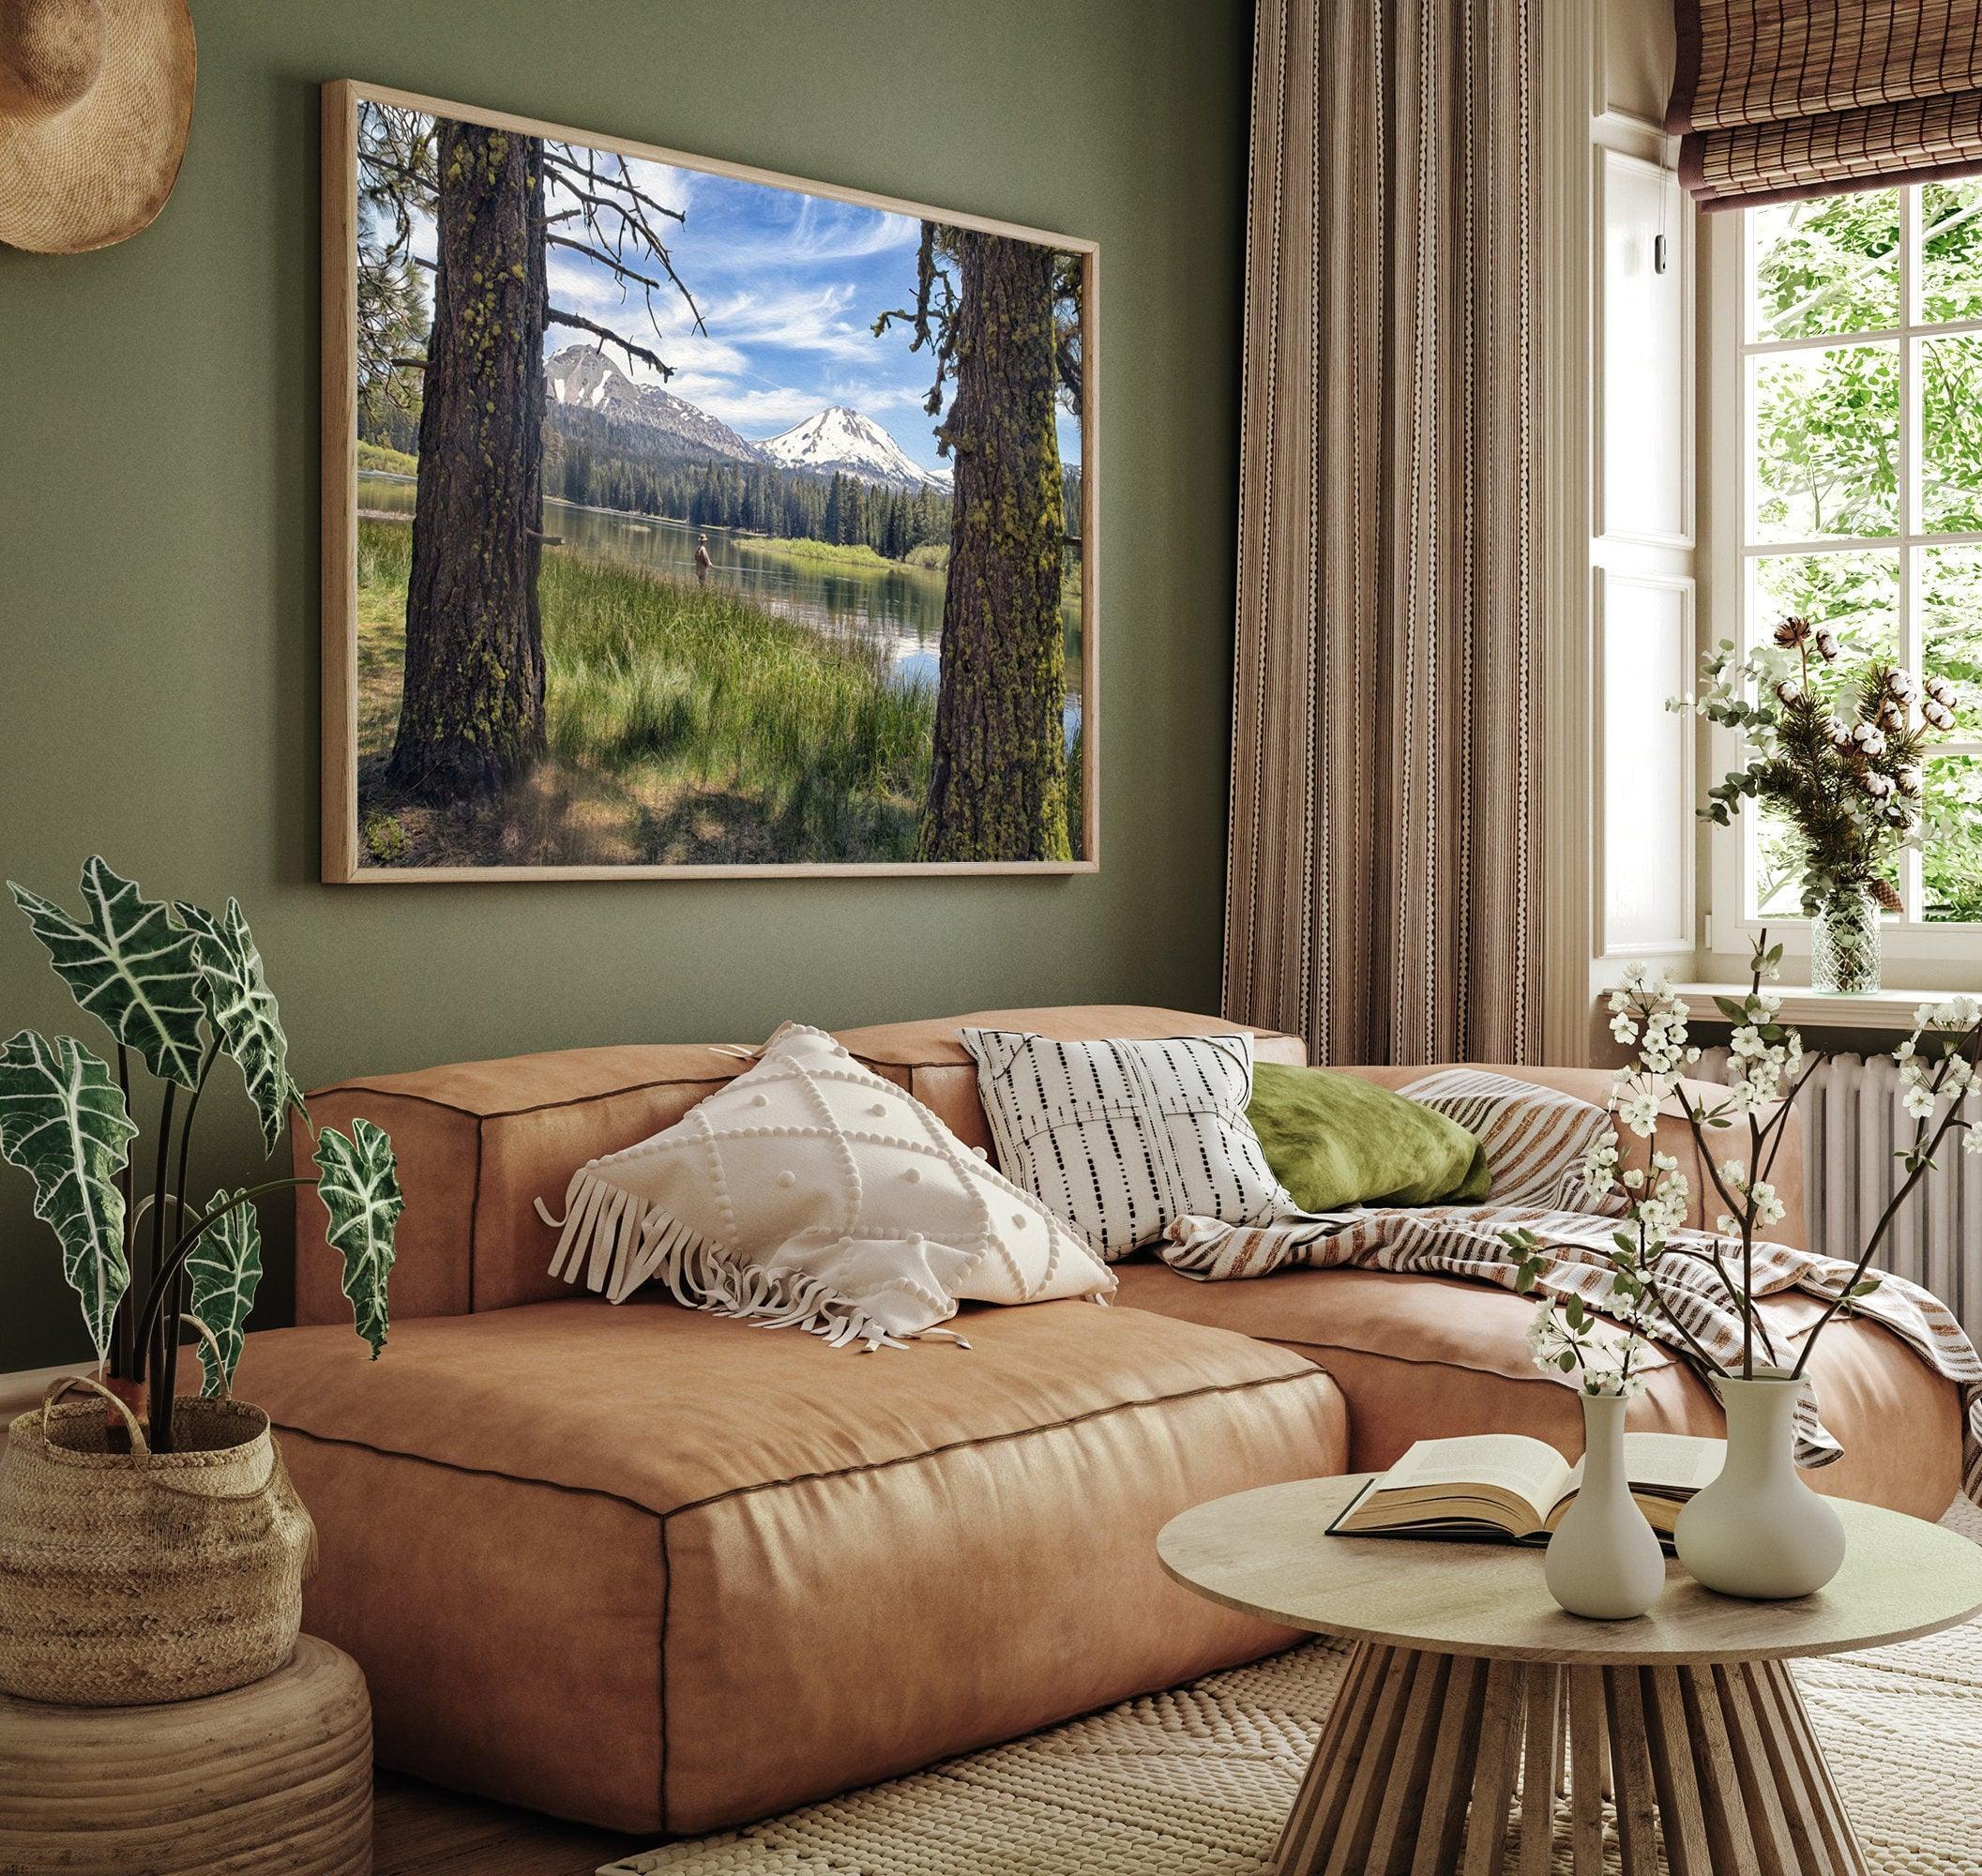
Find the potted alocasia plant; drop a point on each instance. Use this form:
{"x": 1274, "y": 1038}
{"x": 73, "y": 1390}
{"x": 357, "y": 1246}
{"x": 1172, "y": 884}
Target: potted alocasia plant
{"x": 189, "y": 1493}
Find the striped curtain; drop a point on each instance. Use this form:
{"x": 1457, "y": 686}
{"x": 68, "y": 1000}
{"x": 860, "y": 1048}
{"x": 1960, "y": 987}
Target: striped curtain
{"x": 1382, "y": 897}
{"x": 1782, "y": 98}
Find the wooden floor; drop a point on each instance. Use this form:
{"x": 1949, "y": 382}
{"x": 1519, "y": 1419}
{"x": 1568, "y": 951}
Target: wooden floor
{"x": 421, "y": 1830}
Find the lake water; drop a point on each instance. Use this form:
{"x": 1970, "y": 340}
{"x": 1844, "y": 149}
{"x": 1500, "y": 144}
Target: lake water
{"x": 898, "y": 606}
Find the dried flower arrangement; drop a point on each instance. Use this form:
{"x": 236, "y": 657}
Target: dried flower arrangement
{"x": 1838, "y": 759}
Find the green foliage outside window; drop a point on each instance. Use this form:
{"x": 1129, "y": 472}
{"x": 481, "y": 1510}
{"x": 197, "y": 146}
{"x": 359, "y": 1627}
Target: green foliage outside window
{"x": 1827, "y": 465}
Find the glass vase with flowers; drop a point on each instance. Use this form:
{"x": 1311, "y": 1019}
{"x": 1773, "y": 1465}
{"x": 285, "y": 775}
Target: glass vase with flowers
{"x": 1834, "y": 748}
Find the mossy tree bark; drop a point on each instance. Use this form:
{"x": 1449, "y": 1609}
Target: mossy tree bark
{"x": 472, "y": 712}
{"x": 998, "y": 781}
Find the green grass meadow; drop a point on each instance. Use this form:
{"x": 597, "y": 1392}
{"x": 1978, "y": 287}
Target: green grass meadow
{"x": 685, "y": 725}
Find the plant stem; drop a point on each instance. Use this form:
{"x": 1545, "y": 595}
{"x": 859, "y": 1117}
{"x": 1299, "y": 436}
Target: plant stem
{"x": 153, "y": 1350}
{"x": 180, "y": 1252}
{"x": 1776, "y": 1126}
{"x": 1686, "y": 1335}
{"x": 123, "y": 1347}
{"x": 1748, "y": 1251}
{"x": 178, "y": 1308}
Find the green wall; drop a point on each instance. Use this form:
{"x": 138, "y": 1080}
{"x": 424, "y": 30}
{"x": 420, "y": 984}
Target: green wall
{"x": 158, "y": 499}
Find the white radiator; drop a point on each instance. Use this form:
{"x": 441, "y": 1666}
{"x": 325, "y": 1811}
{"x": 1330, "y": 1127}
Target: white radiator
{"x": 1853, "y": 1124}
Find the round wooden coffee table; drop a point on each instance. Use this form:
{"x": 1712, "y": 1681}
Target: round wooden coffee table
{"x": 1473, "y": 1710}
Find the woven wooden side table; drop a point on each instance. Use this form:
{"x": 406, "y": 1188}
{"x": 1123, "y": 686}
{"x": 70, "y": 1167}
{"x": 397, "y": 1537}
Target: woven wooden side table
{"x": 1474, "y": 1714}
{"x": 269, "y": 1779}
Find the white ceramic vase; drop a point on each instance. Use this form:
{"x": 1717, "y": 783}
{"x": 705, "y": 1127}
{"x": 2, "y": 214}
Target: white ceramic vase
{"x": 1604, "y": 1560}
{"x": 1758, "y": 1531}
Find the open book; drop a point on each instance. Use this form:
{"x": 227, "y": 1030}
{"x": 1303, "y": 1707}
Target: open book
{"x": 1507, "y": 1485}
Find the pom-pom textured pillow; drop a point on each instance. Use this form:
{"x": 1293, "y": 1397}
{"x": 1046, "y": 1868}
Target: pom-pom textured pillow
{"x": 811, "y": 1193}
{"x": 1121, "y": 1138}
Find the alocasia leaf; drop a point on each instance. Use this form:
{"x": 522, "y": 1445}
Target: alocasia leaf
{"x": 225, "y": 1266}
{"x": 63, "y": 1122}
{"x": 129, "y": 964}
{"x": 243, "y": 1012}
{"x": 359, "y": 1185}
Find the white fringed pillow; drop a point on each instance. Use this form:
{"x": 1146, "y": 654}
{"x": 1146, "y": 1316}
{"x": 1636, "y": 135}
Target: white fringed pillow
{"x": 1121, "y": 1138}
{"x": 811, "y": 1193}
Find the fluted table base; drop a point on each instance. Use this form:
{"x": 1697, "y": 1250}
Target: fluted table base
{"x": 1434, "y": 1763}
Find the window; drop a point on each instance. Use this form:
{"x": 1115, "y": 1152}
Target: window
{"x": 1861, "y": 437}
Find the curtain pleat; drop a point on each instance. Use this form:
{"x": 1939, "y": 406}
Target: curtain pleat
{"x": 1382, "y": 899}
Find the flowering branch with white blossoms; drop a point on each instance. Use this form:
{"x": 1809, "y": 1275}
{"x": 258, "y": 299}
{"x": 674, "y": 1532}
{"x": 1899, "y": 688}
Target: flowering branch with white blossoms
{"x": 1941, "y": 1072}
{"x": 1654, "y": 1208}
{"x": 1568, "y": 1338}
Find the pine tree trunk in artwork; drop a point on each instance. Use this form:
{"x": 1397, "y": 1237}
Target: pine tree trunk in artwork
{"x": 472, "y": 712}
{"x": 998, "y": 781}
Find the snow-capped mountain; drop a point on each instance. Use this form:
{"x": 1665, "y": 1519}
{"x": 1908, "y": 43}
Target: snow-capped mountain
{"x": 580, "y": 377}
{"x": 837, "y": 440}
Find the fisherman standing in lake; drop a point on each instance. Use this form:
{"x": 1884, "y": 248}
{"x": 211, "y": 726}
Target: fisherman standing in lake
{"x": 702, "y": 560}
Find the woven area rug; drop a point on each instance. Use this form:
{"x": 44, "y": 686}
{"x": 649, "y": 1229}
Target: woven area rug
{"x": 1198, "y": 1781}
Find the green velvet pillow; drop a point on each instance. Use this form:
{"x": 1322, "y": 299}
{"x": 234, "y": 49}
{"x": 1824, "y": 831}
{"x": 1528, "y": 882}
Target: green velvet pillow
{"x": 1336, "y": 1140}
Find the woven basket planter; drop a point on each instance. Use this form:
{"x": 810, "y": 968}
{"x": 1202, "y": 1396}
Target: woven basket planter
{"x": 132, "y": 1577}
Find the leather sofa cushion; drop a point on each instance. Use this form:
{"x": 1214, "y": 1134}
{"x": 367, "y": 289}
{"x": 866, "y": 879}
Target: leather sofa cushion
{"x": 665, "y": 1572}
{"x": 478, "y": 1142}
{"x": 1423, "y": 1357}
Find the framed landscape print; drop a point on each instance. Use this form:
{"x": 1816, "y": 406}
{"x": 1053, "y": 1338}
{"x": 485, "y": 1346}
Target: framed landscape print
{"x": 684, "y": 519}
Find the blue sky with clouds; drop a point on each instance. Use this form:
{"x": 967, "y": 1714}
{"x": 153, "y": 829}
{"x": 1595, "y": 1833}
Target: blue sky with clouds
{"x": 788, "y": 285}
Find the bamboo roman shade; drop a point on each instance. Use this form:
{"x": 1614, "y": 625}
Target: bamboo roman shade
{"x": 1780, "y": 99}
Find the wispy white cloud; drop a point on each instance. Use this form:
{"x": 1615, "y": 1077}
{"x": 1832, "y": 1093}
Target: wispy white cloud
{"x": 866, "y": 395}
{"x": 823, "y": 230}
{"x": 754, "y": 410}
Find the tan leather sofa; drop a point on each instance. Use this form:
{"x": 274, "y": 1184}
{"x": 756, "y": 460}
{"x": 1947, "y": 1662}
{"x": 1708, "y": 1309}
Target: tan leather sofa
{"x": 665, "y": 1572}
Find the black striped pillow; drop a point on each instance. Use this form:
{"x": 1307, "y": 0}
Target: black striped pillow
{"x": 1120, "y": 1139}
{"x": 1535, "y": 1137}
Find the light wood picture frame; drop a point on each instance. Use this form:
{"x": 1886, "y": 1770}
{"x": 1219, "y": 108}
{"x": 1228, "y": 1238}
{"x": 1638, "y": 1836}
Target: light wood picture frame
{"x": 602, "y": 600}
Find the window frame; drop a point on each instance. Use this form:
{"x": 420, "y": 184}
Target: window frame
{"x": 1730, "y": 382}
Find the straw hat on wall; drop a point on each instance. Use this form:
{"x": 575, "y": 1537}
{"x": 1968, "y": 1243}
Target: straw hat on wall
{"x": 95, "y": 98}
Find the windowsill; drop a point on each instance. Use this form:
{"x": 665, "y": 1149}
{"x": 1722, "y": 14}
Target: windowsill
{"x": 1821, "y": 1009}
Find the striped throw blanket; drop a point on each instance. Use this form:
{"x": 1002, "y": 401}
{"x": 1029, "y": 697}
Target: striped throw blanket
{"x": 1464, "y": 1241}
